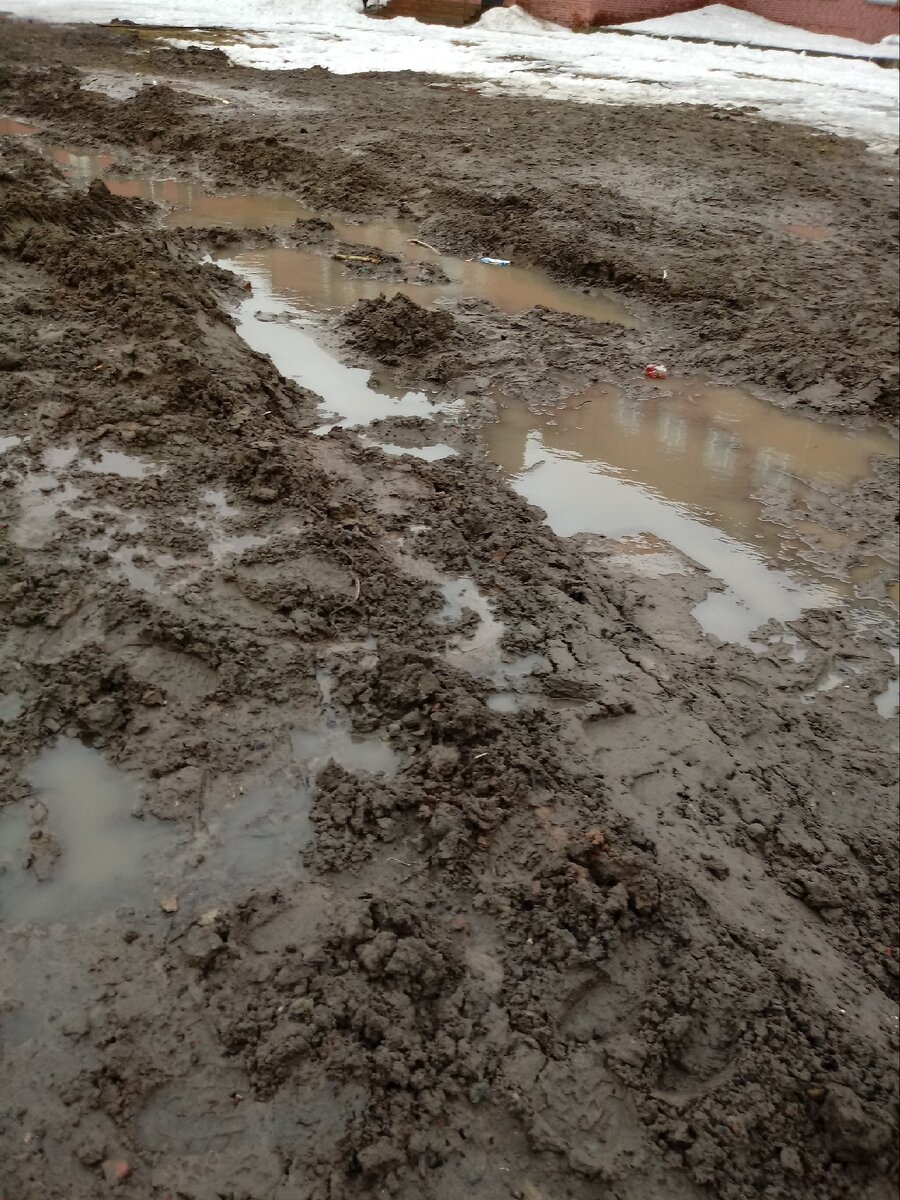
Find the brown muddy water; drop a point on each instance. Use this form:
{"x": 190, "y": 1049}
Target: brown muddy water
{"x": 683, "y": 461}
{"x": 315, "y": 281}
{"x": 687, "y": 462}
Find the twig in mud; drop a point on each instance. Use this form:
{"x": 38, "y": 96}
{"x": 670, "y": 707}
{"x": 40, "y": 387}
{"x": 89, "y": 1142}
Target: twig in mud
{"x": 575, "y": 407}
{"x": 540, "y": 462}
{"x": 404, "y": 863}
{"x": 347, "y": 603}
{"x": 358, "y": 258}
{"x": 426, "y": 245}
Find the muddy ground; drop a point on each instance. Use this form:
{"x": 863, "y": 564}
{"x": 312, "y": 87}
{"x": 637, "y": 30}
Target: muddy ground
{"x": 369, "y": 932}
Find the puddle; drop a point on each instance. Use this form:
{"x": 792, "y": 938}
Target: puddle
{"x": 298, "y": 356}
{"x": 681, "y": 463}
{"x": 8, "y": 443}
{"x": 114, "y": 462}
{"x": 11, "y": 707}
{"x": 10, "y": 128}
{"x": 506, "y": 702}
{"x": 218, "y": 502}
{"x": 42, "y": 498}
{"x": 105, "y": 850}
{"x": 315, "y": 748}
{"x": 321, "y": 282}
{"x": 432, "y": 453}
{"x": 143, "y": 575}
{"x": 266, "y": 827}
{"x": 232, "y": 545}
{"x": 477, "y": 652}
{"x": 462, "y": 595}
{"x": 888, "y": 701}
{"x": 810, "y": 233}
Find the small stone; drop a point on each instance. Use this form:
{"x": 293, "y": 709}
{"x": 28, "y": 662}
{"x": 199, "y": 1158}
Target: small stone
{"x": 169, "y": 904}
{"x": 200, "y": 946}
{"x": 790, "y": 1161}
{"x": 428, "y": 684}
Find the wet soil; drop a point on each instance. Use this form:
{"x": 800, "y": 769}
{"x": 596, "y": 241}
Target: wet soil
{"x": 361, "y": 835}
{"x": 684, "y": 214}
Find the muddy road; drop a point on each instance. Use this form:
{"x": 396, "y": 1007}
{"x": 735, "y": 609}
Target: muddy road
{"x": 366, "y": 830}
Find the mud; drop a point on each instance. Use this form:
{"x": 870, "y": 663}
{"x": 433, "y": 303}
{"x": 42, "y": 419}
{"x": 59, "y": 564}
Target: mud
{"x": 361, "y": 834}
{"x": 684, "y": 216}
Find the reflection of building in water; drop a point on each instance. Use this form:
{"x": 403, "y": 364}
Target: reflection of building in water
{"x": 720, "y": 451}
{"x": 771, "y": 468}
{"x": 628, "y": 413}
{"x": 672, "y": 430}
{"x": 695, "y": 444}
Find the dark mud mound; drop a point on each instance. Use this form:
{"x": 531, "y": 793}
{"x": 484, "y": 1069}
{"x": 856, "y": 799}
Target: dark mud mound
{"x": 390, "y": 329}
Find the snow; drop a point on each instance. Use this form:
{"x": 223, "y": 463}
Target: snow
{"x": 508, "y": 49}
{"x": 721, "y": 23}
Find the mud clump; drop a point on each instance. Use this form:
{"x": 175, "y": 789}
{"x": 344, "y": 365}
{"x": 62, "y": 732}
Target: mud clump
{"x": 397, "y": 328}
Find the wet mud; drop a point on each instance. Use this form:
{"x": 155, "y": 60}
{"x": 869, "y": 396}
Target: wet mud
{"x": 366, "y": 830}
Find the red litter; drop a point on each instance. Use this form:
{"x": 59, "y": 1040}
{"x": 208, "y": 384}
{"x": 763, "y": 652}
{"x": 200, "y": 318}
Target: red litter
{"x": 656, "y": 371}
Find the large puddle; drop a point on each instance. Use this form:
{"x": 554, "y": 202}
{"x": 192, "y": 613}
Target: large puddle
{"x": 683, "y": 462}
{"x": 321, "y": 282}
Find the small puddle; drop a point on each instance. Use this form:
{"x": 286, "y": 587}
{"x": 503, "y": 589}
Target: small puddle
{"x": 299, "y": 356}
{"x": 114, "y": 462}
{"x": 888, "y": 701}
{"x": 477, "y": 652}
{"x": 682, "y": 463}
{"x": 42, "y": 497}
{"x": 11, "y": 707}
{"x": 433, "y": 453}
{"x": 810, "y": 233}
{"x": 141, "y": 567}
{"x": 462, "y": 595}
{"x": 11, "y": 128}
{"x": 233, "y": 545}
{"x": 259, "y": 832}
{"x": 105, "y": 851}
{"x": 335, "y": 743}
{"x": 332, "y": 740}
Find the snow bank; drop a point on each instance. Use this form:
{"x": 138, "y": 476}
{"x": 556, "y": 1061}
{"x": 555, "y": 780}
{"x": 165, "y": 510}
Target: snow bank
{"x": 510, "y": 50}
{"x": 722, "y": 23}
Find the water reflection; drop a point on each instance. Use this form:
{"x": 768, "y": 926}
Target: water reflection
{"x": 682, "y": 461}
{"x": 319, "y": 280}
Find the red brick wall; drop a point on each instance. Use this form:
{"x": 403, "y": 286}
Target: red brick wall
{"x": 844, "y": 18}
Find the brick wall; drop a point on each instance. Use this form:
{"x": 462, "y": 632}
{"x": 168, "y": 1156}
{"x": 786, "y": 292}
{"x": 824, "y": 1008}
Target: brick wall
{"x": 858, "y": 19}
